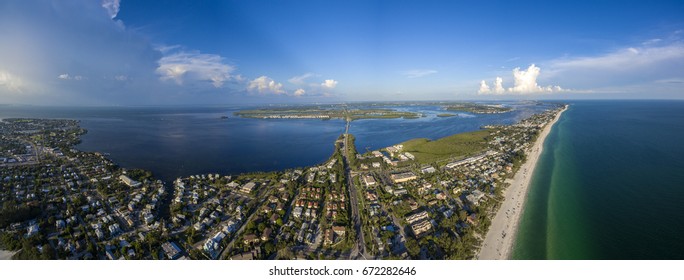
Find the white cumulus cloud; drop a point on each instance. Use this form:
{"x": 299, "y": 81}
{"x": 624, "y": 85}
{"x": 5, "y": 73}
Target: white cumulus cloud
{"x": 307, "y": 84}
{"x": 484, "y": 88}
{"x": 184, "y": 66}
{"x": 299, "y": 92}
{"x": 265, "y": 84}
{"x": 524, "y": 82}
{"x": 498, "y": 85}
{"x": 329, "y": 84}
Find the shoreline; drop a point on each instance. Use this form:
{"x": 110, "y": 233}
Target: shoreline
{"x": 519, "y": 178}
{"x": 498, "y": 243}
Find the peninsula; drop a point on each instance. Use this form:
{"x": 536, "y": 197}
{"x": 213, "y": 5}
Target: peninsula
{"x": 498, "y": 243}
{"x": 420, "y": 199}
{"x": 477, "y": 108}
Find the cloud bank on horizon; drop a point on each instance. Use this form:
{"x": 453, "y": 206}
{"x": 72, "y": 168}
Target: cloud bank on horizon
{"x": 653, "y": 65}
{"x": 525, "y": 82}
{"x": 113, "y": 52}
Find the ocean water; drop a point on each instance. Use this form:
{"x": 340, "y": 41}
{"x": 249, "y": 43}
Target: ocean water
{"x": 609, "y": 185}
{"x": 176, "y": 141}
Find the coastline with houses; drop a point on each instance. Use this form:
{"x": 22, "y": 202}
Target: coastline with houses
{"x": 500, "y": 238}
{"x": 406, "y": 199}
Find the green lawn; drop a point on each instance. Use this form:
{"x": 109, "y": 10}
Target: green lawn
{"x": 451, "y": 147}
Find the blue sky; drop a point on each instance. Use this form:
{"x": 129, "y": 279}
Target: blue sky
{"x": 231, "y": 52}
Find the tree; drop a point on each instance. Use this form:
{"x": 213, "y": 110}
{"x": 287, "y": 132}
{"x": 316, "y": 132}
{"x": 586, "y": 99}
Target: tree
{"x": 462, "y": 215}
{"x": 250, "y": 226}
{"x": 9, "y": 241}
{"x": 285, "y": 254}
{"x": 269, "y": 249}
{"x": 48, "y": 252}
{"x": 191, "y": 234}
{"x": 91, "y": 248}
{"x": 412, "y": 247}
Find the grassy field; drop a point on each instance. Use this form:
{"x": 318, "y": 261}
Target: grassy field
{"x": 451, "y": 147}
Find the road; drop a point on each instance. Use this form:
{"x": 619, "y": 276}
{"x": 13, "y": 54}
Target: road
{"x": 36, "y": 149}
{"x": 399, "y": 248}
{"x": 359, "y": 249}
{"x": 224, "y": 254}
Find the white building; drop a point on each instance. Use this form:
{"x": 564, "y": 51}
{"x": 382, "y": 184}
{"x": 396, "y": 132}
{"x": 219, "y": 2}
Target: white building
{"x": 130, "y": 182}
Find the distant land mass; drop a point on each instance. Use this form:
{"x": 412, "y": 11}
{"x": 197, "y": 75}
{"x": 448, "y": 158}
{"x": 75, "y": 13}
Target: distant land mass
{"x": 325, "y": 113}
{"x": 477, "y": 108}
{"x": 366, "y": 111}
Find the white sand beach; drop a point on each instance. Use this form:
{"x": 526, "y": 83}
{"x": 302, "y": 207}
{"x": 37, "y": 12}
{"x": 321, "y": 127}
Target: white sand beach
{"x": 498, "y": 243}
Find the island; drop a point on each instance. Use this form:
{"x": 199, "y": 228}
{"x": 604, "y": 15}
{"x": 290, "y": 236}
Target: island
{"x": 477, "y": 108}
{"x": 325, "y": 113}
{"x": 420, "y": 199}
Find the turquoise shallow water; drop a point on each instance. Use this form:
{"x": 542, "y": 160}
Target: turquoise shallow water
{"x": 609, "y": 185}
